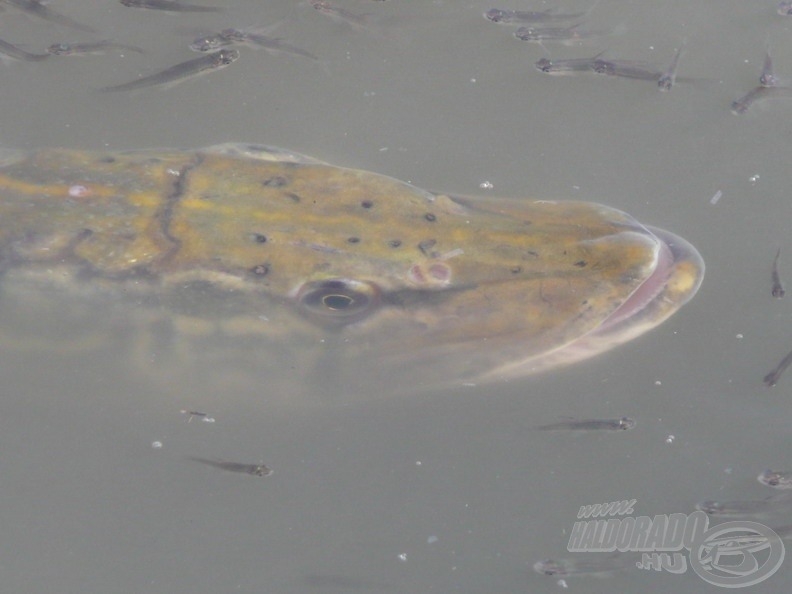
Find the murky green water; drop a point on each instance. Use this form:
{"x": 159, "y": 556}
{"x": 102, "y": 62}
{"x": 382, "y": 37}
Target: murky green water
{"x": 448, "y": 491}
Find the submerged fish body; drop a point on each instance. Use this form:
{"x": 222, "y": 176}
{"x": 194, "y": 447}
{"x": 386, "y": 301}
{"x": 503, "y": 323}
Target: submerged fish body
{"x": 510, "y": 17}
{"x": 253, "y": 37}
{"x": 11, "y": 51}
{"x": 180, "y": 72}
{"x": 620, "y": 424}
{"x": 91, "y": 47}
{"x": 573, "y": 65}
{"x": 342, "y": 15}
{"x": 169, "y": 6}
{"x": 267, "y": 251}
{"x": 41, "y": 10}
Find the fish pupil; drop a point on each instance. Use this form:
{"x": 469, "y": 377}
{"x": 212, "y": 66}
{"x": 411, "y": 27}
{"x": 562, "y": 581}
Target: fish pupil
{"x": 337, "y": 302}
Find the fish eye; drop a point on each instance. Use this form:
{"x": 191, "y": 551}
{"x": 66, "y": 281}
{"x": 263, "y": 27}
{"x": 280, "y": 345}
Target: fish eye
{"x": 339, "y": 300}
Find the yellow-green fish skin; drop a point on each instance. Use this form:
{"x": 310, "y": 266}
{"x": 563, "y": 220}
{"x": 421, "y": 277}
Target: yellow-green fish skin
{"x": 433, "y": 288}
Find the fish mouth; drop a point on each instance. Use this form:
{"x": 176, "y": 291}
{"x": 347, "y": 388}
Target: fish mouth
{"x": 675, "y": 279}
{"x": 677, "y": 276}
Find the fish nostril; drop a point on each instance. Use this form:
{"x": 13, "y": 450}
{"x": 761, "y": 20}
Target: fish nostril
{"x": 440, "y": 271}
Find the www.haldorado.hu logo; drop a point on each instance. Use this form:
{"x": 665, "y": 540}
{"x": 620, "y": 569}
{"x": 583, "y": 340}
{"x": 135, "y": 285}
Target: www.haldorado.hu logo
{"x": 732, "y": 554}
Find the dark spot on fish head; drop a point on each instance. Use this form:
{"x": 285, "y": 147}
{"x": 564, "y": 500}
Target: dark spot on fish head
{"x": 426, "y": 245}
{"x": 277, "y": 181}
{"x": 258, "y": 148}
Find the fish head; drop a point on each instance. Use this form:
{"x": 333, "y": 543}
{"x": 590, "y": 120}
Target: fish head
{"x": 60, "y": 49}
{"x": 449, "y": 288}
{"x": 208, "y": 43}
{"x": 495, "y": 15}
{"x": 290, "y": 263}
{"x": 544, "y": 64}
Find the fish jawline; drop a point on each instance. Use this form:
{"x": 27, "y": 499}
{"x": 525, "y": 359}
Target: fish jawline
{"x": 674, "y": 281}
